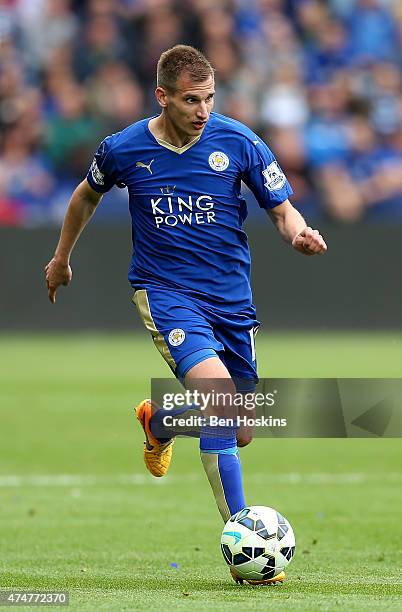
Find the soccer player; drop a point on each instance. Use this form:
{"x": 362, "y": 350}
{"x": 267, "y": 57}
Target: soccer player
{"x": 191, "y": 264}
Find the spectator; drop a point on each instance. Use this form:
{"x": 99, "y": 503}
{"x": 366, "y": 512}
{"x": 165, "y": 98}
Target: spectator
{"x": 24, "y": 179}
{"x": 373, "y": 33}
{"x": 49, "y": 24}
{"x": 386, "y": 109}
{"x": 284, "y": 103}
{"x": 101, "y": 42}
{"x": 326, "y": 138}
{"x": 328, "y": 53}
{"x": 72, "y": 134}
{"x": 371, "y": 176}
{"x": 115, "y": 97}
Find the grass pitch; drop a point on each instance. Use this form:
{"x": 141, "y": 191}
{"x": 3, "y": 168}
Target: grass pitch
{"x": 78, "y": 511}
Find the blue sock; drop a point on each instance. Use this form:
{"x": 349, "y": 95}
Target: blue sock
{"x": 220, "y": 458}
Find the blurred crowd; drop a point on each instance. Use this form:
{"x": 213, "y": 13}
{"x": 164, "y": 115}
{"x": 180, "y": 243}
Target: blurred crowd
{"x": 320, "y": 81}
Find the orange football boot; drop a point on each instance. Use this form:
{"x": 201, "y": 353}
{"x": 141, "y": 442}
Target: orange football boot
{"x": 157, "y": 455}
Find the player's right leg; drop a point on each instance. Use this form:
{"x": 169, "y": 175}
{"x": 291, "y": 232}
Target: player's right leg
{"x": 218, "y": 444}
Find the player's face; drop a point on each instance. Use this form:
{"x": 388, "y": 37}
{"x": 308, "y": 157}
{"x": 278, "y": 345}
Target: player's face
{"x": 189, "y": 107}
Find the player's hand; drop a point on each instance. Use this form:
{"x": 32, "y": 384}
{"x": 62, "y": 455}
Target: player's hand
{"x": 309, "y": 242}
{"x": 57, "y": 273}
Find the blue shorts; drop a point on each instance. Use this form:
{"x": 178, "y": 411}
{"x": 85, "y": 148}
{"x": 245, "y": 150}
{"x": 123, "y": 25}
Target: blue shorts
{"x": 187, "y": 331}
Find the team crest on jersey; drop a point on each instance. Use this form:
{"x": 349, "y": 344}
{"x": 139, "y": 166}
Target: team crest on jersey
{"x": 176, "y": 337}
{"x": 97, "y": 175}
{"x": 275, "y": 179}
{"x": 218, "y": 161}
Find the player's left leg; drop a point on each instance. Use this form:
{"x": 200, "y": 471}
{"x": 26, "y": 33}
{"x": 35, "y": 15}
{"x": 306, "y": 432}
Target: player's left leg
{"x": 218, "y": 445}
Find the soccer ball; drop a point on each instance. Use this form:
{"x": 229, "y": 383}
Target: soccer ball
{"x": 257, "y": 543}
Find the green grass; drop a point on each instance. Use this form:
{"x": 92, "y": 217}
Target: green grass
{"x": 108, "y": 533}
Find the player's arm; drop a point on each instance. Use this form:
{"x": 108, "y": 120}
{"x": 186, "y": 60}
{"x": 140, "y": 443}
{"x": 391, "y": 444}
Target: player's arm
{"x": 80, "y": 209}
{"x": 294, "y": 230}
{"x": 267, "y": 181}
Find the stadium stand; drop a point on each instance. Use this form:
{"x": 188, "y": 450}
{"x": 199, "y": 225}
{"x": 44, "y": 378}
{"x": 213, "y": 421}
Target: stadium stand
{"x": 320, "y": 81}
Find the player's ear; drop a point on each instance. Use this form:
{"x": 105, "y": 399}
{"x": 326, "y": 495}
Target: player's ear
{"x": 161, "y": 96}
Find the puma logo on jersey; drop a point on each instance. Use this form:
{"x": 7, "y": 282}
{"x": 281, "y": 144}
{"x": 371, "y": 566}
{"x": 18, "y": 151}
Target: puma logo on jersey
{"x": 141, "y": 164}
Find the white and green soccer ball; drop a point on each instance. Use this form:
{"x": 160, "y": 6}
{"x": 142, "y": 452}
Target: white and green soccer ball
{"x": 257, "y": 543}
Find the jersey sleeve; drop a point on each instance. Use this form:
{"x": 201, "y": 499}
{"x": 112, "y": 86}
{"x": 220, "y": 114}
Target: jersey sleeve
{"x": 263, "y": 175}
{"x": 102, "y": 174}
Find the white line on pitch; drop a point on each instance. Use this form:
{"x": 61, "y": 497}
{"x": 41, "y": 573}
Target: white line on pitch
{"x": 88, "y": 480}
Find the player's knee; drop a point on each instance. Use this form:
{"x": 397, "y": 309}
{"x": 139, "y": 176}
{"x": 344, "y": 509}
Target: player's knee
{"x": 244, "y": 439}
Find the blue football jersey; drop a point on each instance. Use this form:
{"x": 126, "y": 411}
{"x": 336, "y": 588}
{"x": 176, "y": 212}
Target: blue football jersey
{"x": 186, "y": 207}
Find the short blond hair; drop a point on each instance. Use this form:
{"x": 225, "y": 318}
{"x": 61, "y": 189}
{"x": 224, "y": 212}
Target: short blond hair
{"x": 182, "y": 58}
